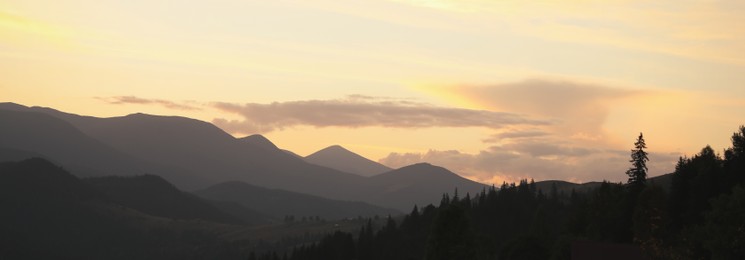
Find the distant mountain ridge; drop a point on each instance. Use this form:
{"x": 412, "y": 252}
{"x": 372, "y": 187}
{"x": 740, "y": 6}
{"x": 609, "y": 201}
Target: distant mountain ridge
{"x": 338, "y": 157}
{"x": 193, "y": 155}
{"x": 280, "y": 203}
{"x": 424, "y": 182}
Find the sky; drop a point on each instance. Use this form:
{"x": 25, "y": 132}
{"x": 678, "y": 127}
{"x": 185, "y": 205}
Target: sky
{"x": 492, "y": 90}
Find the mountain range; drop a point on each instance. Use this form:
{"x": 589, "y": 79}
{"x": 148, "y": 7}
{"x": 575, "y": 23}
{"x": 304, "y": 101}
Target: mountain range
{"x": 194, "y": 155}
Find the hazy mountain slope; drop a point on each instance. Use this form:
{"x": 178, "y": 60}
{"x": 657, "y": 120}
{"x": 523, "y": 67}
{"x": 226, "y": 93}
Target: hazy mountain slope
{"x": 337, "y": 157}
{"x": 153, "y": 195}
{"x": 50, "y": 214}
{"x": 422, "y": 184}
{"x": 38, "y": 133}
{"x": 193, "y": 154}
{"x": 280, "y": 203}
{"x": 8, "y": 154}
{"x": 204, "y": 148}
{"x": 185, "y": 150}
{"x": 565, "y": 187}
{"x": 259, "y": 141}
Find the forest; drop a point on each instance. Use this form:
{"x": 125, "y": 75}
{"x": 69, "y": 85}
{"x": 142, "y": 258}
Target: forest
{"x": 699, "y": 215}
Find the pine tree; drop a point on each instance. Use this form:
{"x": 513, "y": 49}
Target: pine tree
{"x": 638, "y": 171}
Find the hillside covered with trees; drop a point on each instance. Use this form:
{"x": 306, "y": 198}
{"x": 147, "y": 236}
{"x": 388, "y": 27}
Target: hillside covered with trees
{"x": 701, "y": 216}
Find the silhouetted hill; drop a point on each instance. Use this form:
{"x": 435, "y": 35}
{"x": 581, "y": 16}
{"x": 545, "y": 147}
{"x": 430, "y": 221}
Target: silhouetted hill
{"x": 293, "y": 154}
{"x": 665, "y": 181}
{"x": 153, "y": 195}
{"x": 7, "y": 154}
{"x": 184, "y": 150}
{"x": 48, "y": 213}
{"x": 422, "y": 184}
{"x": 564, "y": 187}
{"x": 259, "y": 141}
{"x": 280, "y": 203}
{"x": 193, "y": 154}
{"x": 337, "y": 157}
{"x": 209, "y": 152}
{"x": 38, "y": 133}
{"x": 38, "y": 178}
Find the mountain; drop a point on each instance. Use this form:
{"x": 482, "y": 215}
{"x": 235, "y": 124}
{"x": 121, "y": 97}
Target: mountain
{"x": 7, "y": 154}
{"x": 280, "y": 203}
{"x": 50, "y": 214}
{"x": 337, "y": 157}
{"x": 194, "y": 155}
{"x": 37, "y": 133}
{"x": 665, "y": 181}
{"x": 153, "y": 195}
{"x": 565, "y": 187}
{"x": 421, "y": 184}
{"x": 258, "y": 140}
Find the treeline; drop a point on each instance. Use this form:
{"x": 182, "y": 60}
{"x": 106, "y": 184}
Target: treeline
{"x": 701, "y": 216}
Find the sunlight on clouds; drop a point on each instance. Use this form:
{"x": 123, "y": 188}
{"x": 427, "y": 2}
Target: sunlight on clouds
{"x": 601, "y": 70}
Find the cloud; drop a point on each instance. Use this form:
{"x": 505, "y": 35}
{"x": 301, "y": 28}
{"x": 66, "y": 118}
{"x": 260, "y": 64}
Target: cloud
{"x": 541, "y": 148}
{"x": 580, "y": 107}
{"x": 575, "y": 147}
{"x": 525, "y": 134}
{"x": 498, "y": 164}
{"x": 361, "y": 111}
{"x": 120, "y": 100}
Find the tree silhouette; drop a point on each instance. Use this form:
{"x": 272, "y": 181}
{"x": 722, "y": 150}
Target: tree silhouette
{"x": 638, "y": 171}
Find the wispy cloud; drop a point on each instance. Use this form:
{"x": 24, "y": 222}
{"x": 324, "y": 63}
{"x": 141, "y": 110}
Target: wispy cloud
{"x": 577, "y": 147}
{"x": 120, "y": 100}
{"x": 361, "y": 111}
{"x": 496, "y": 164}
{"x": 700, "y": 30}
{"x": 578, "y": 108}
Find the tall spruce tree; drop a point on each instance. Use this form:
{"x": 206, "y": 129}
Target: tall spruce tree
{"x": 638, "y": 171}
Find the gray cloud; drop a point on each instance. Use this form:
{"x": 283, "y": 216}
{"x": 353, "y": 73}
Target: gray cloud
{"x": 120, "y": 100}
{"x": 360, "y": 111}
{"x": 515, "y": 161}
{"x": 520, "y": 134}
{"x": 537, "y": 148}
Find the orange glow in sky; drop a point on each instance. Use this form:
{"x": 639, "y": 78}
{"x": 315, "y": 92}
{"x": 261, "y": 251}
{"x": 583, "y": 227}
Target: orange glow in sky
{"x": 493, "y": 90}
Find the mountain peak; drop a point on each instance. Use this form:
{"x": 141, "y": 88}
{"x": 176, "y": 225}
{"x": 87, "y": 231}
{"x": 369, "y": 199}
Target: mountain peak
{"x": 421, "y": 165}
{"x": 424, "y": 167}
{"x": 340, "y": 158}
{"x": 334, "y": 148}
{"x": 259, "y": 140}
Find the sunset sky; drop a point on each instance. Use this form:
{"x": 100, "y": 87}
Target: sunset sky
{"x": 493, "y": 90}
